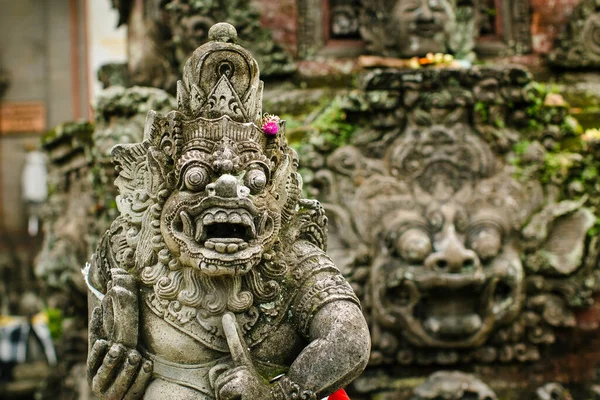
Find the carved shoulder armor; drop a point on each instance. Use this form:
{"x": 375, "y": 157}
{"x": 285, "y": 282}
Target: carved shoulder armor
{"x": 319, "y": 283}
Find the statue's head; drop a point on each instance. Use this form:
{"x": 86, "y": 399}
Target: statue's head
{"x": 424, "y": 26}
{"x": 413, "y": 28}
{"x": 210, "y": 189}
{"x": 449, "y": 272}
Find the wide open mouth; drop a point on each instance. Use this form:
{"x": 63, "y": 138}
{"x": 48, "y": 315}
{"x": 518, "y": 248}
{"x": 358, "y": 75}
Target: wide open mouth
{"x": 452, "y": 310}
{"x": 220, "y": 229}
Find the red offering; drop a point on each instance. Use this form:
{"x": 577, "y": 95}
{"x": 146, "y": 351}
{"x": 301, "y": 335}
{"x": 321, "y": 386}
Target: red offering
{"x": 339, "y": 395}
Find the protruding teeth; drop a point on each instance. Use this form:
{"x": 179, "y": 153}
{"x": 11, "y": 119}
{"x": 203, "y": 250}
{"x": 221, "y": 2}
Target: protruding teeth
{"x": 235, "y": 218}
{"x": 232, "y": 248}
{"x": 203, "y": 265}
{"x": 243, "y": 246}
{"x": 221, "y": 217}
{"x": 209, "y": 245}
{"x": 208, "y": 219}
{"x": 221, "y": 247}
{"x": 186, "y": 221}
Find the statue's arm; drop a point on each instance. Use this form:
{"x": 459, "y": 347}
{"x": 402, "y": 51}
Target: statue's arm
{"x": 338, "y": 351}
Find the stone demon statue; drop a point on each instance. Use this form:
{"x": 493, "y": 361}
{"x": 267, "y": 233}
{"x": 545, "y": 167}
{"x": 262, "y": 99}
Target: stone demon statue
{"x": 213, "y": 282}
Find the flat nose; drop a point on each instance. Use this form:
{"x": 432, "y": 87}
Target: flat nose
{"x": 454, "y": 258}
{"x": 225, "y": 186}
{"x": 425, "y": 14}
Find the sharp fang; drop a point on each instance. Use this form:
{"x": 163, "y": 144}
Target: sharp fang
{"x": 188, "y": 230}
{"x": 199, "y": 230}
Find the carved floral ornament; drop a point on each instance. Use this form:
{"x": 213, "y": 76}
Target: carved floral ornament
{"x": 213, "y": 278}
{"x": 454, "y": 257}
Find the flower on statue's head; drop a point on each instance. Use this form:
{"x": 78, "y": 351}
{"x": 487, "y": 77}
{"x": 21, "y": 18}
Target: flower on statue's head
{"x": 270, "y": 124}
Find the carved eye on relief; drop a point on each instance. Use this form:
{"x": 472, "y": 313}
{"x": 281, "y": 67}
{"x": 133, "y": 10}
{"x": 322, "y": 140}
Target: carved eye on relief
{"x": 255, "y": 180}
{"x": 485, "y": 240}
{"x": 196, "y": 178}
{"x": 414, "y": 245}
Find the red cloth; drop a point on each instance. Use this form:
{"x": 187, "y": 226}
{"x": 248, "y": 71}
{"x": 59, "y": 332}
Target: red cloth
{"x": 339, "y": 395}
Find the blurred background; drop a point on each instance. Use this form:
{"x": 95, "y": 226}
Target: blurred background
{"x": 78, "y": 76}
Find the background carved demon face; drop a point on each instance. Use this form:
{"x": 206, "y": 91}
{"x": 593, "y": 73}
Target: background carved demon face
{"x": 448, "y": 275}
{"x": 448, "y": 272}
{"x": 226, "y": 209}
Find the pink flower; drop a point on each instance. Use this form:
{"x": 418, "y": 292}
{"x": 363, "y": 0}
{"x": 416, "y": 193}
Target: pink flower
{"x": 270, "y": 127}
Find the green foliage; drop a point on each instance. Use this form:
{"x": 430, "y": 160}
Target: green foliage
{"x": 483, "y": 110}
{"x": 332, "y": 125}
{"x": 521, "y": 147}
{"x": 55, "y": 319}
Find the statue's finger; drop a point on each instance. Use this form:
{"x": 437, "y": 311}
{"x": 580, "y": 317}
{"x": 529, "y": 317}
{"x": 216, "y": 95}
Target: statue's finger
{"x": 107, "y": 371}
{"x": 232, "y": 389}
{"x": 227, "y": 376}
{"x": 125, "y": 376}
{"x": 235, "y": 341}
{"x": 95, "y": 358}
{"x": 137, "y": 389}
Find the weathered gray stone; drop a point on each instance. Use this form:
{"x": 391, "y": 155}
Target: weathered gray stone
{"x": 407, "y": 28}
{"x": 162, "y": 34}
{"x": 578, "y": 46}
{"x": 453, "y": 385}
{"x": 458, "y": 217}
{"x": 213, "y": 280}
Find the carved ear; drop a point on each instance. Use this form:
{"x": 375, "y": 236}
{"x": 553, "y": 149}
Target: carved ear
{"x": 157, "y": 166}
{"x": 559, "y": 232}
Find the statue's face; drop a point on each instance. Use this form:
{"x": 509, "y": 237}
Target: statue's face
{"x": 225, "y": 212}
{"x": 424, "y": 26}
{"x": 449, "y": 274}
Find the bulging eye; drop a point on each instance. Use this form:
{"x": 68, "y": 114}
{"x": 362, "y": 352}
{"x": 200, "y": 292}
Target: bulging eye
{"x": 255, "y": 180}
{"x": 196, "y": 178}
{"x": 414, "y": 245}
{"x": 486, "y": 241}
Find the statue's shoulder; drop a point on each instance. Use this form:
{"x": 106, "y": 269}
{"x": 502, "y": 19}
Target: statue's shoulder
{"x": 317, "y": 282}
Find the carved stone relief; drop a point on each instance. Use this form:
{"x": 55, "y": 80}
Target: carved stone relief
{"x": 162, "y": 34}
{"x": 68, "y": 214}
{"x": 407, "y": 28}
{"x": 453, "y": 385}
{"x": 578, "y": 46}
{"x": 449, "y": 218}
{"x": 212, "y": 279}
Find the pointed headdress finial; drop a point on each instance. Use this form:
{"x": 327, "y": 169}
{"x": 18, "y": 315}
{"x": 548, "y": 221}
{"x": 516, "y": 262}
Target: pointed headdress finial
{"x": 220, "y": 79}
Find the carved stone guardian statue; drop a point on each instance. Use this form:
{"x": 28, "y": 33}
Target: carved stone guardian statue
{"x": 213, "y": 282}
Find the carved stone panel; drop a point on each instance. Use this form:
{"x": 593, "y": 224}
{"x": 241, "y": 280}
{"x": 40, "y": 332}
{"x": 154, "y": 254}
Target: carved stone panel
{"x": 452, "y": 219}
{"x": 578, "y": 46}
{"x": 212, "y": 281}
{"x": 162, "y": 34}
{"x": 407, "y": 28}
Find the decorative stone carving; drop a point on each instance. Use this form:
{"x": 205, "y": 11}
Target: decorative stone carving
{"x": 68, "y": 215}
{"x": 213, "y": 278}
{"x": 462, "y": 233}
{"x": 578, "y": 46}
{"x": 453, "y": 385}
{"x": 407, "y": 28}
{"x": 79, "y": 209}
{"x": 162, "y": 34}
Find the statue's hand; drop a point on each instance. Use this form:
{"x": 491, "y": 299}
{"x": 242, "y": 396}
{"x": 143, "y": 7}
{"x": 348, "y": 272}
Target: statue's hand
{"x": 241, "y": 382}
{"x": 114, "y": 371}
